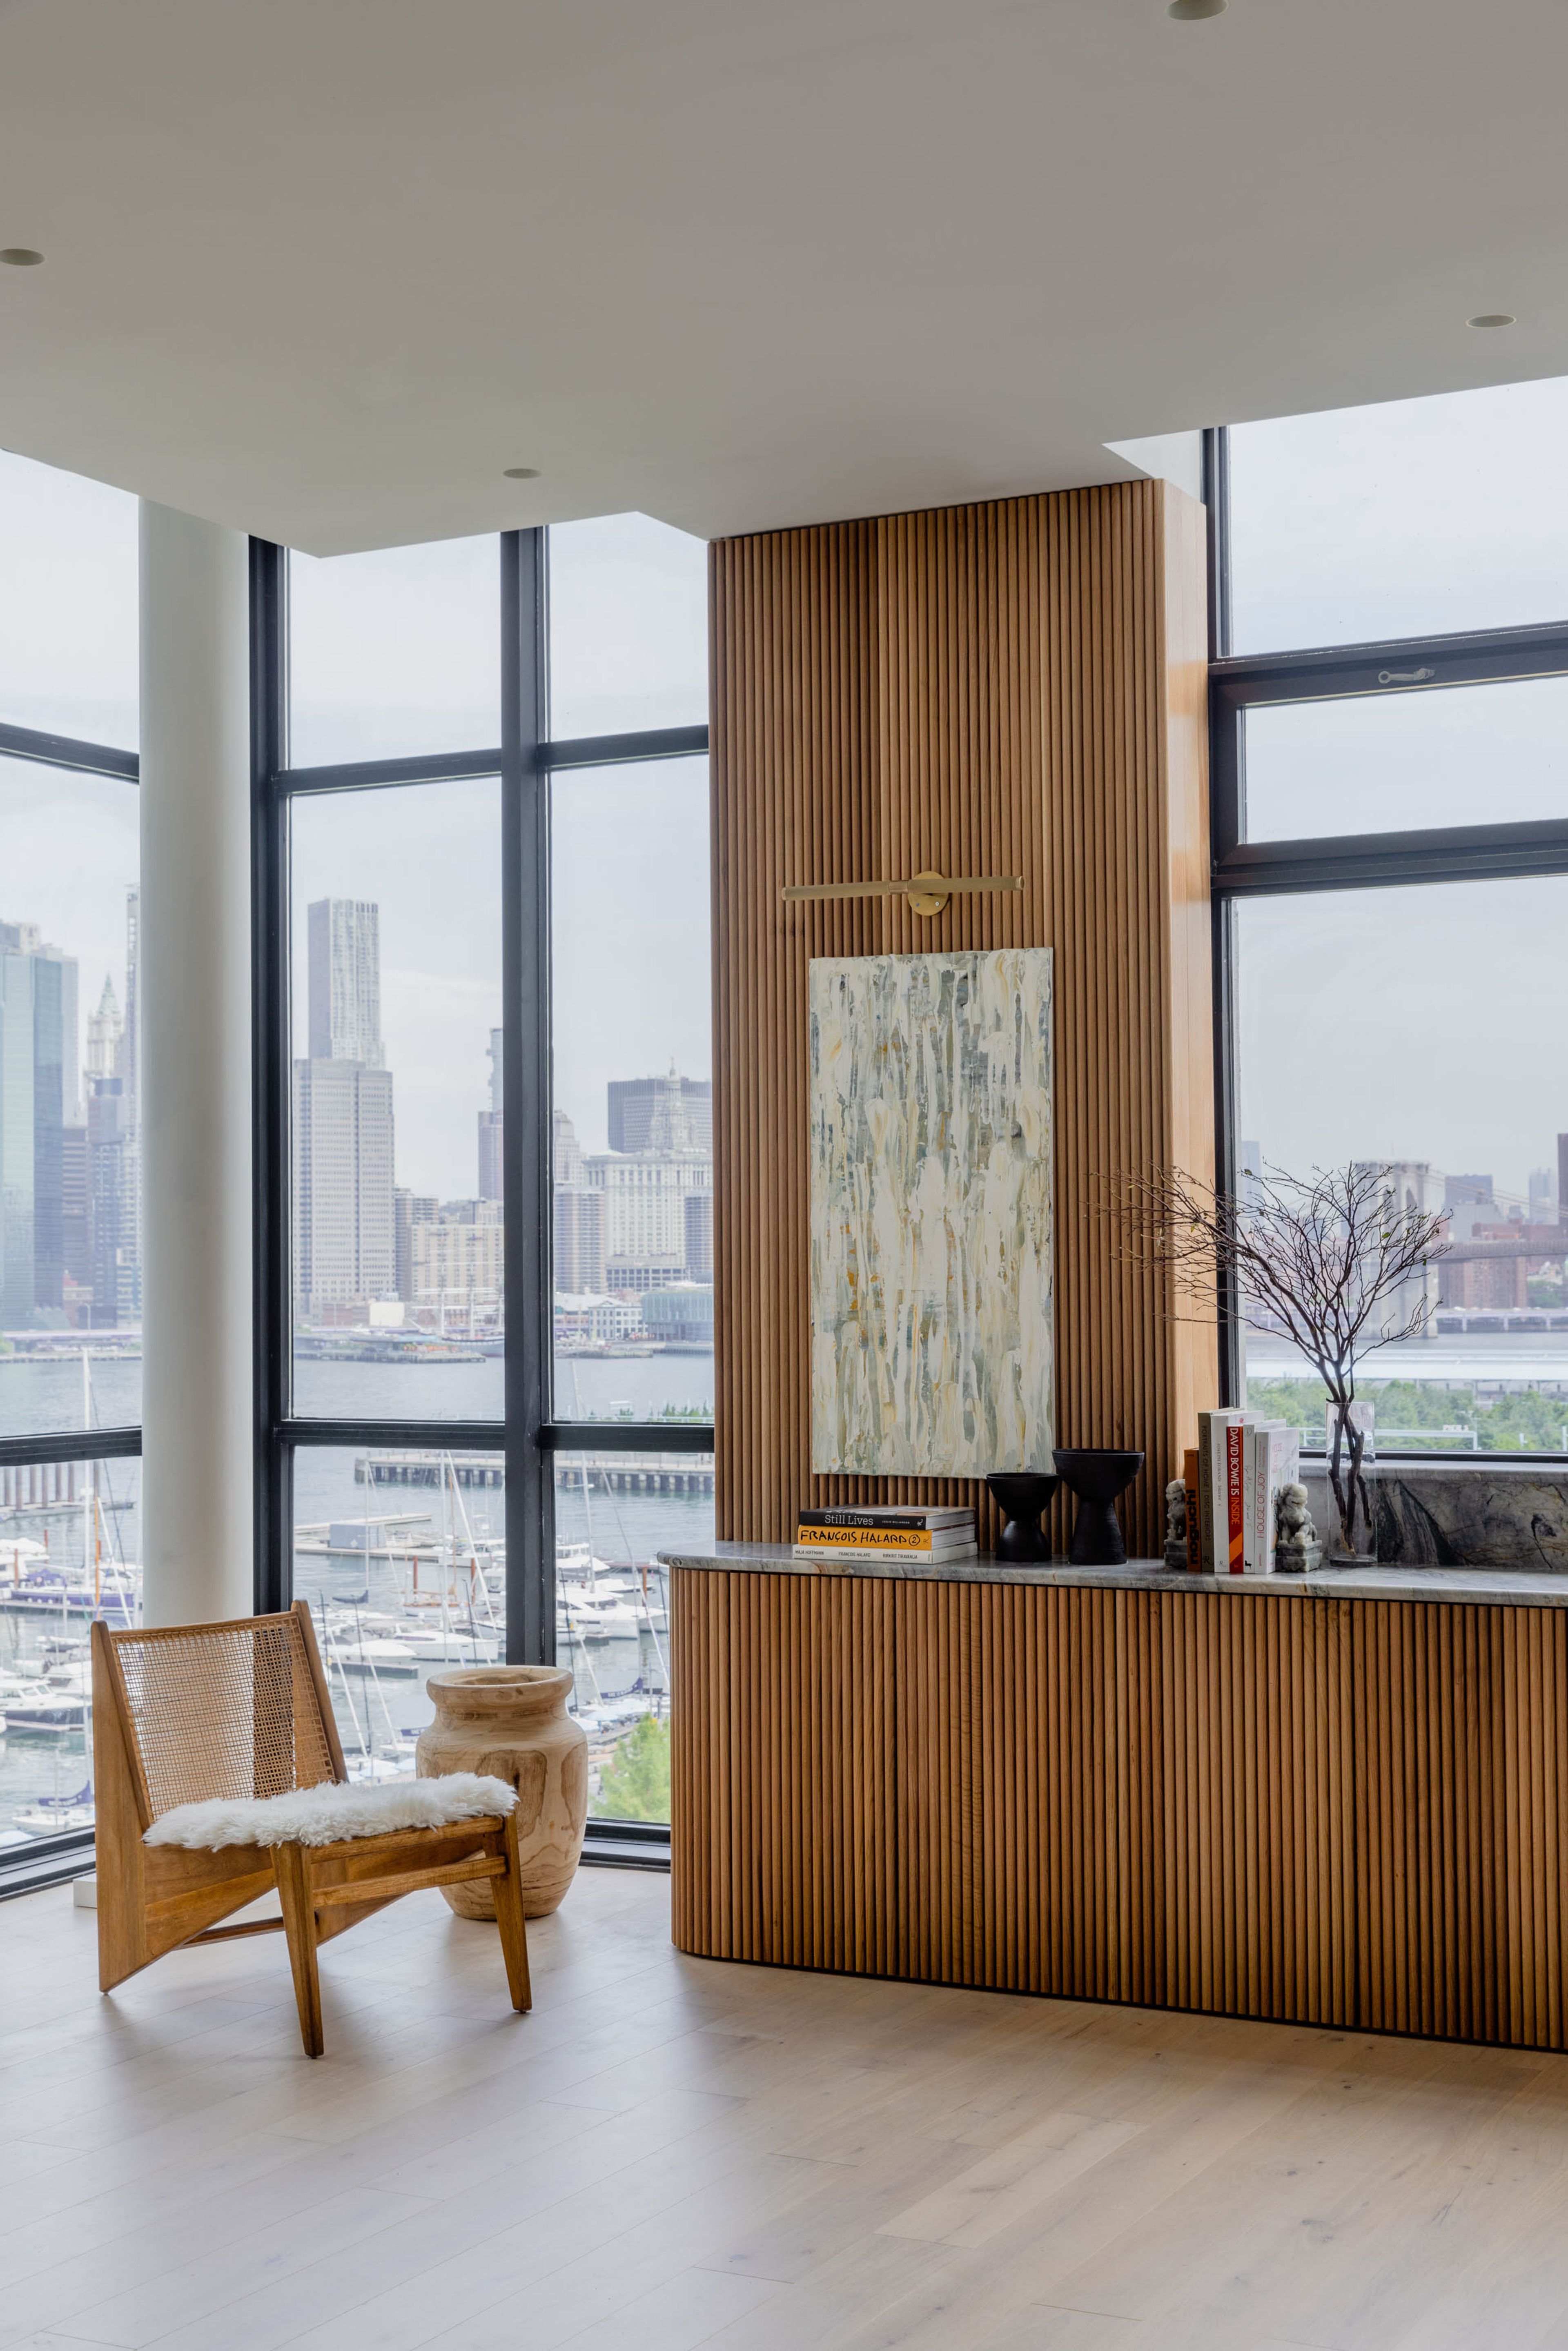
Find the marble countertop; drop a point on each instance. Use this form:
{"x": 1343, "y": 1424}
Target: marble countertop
{"x": 1500, "y": 1586}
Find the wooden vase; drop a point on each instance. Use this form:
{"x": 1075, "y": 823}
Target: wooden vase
{"x": 510, "y": 1723}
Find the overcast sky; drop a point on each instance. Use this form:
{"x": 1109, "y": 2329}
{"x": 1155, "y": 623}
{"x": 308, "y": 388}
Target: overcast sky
{"x": 392, "y": 654}
{"x": 1420, "y": 1024}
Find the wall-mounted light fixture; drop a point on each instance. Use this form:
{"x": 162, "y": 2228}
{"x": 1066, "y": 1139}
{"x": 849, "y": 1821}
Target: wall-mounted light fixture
{"x": 927, "y": 892}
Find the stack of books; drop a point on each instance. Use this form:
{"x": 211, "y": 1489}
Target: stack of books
{"x": 1233, "y": 1482}
{"x": 883, "y": 1533}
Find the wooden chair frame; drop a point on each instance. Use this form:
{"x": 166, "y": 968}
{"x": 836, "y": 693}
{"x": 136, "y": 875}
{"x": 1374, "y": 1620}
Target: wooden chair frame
{"x": 153, "y": 1899}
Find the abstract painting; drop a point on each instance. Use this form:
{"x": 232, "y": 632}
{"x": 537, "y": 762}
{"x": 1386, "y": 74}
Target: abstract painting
{"x": 931, "y": 1214}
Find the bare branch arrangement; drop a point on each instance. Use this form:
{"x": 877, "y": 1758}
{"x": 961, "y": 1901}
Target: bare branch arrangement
{"x": 1321, "y": 1260}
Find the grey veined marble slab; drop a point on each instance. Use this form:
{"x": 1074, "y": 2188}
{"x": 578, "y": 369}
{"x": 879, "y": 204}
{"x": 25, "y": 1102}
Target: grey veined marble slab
{"x": 1447, "y": 1514}
{"x": 1527, "y": 1586}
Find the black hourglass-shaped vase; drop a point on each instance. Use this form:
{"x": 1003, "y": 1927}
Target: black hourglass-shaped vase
{"x": 1097, "y": 1475}
{"x": 1021, "y": 1496}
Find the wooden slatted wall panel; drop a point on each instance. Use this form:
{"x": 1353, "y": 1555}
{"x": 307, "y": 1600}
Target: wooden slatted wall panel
{"x": 1013, "y": 687}
{"x": 1462, "y": 1722}
{"x": 783, "y": 1802}
{"x": 1330, "y": 1811}
{"x": 1126, "y": 1796}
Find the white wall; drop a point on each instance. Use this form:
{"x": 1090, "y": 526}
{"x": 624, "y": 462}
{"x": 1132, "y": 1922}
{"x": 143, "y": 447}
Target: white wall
{"x": 196, "y": 1475}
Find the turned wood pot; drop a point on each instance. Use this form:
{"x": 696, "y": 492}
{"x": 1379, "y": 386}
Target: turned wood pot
{"x": 511, "y": 1723}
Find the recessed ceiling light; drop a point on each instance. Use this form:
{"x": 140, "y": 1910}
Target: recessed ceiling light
{"x": 20, "y": 257}
{"x": 522, "y": 474}
{"x": 1189, "y": 12}
{"x": 1492, "y": 318}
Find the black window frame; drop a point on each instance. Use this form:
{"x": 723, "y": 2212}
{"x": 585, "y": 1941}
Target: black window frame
{"x": 528, "y": 762}
{"x": 50, "y": 1860}
{"x": 1240, "y": 869}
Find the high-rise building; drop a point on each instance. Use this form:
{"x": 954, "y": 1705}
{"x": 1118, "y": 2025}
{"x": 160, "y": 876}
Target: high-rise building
{"x": 76, "y": 1206}
{"x": 131, "y": 1043}
{"x": 669, "y": 1115}
{"x": 345, "y": 1242}
{"x": 105, "y": 1036}
{"x": 345, "y": 1247}
{"x": 1542, "y": 1195}
{"x": 345, "y": 981}
{"x": 578, "y": 1237}
{"x": 645, "y": 1203}
{"x": 459, "y": 1258}
{"x": 37, "y": 984}
{"x": 111, "y": 1138}
{"x": 699, "y": 1235}
{"x": 111, "y": 1179}
{"x": 566, "y": 1156}
{"x": 408, "y": 1209}
{"x": 660, "y": 1132}
{"x": 131, "y": 1075}
{"x": 490, "y": 1128}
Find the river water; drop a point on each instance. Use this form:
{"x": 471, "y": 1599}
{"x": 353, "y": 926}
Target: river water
{"x": 39, "y": 1397}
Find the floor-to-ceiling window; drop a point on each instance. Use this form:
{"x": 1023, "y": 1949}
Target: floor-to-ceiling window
{"x": 1391, "y": 854}
{"x": 70, "y": 1258}
{"x": 486, "y": 1360}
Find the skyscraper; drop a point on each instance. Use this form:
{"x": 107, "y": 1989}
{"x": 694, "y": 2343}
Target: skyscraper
{"x": 345, "y": 994}
{"x": 37, "y": 986}
{"x": 111, "y": 1182}
{"x": 699, "y": 1236}
{"x": 578, "y": 1238}
{"x": 345, "y": 1246}
{"x": 408, "y": 1209}
{"x": 345, "y": 1242}
{"x": 671, "y": 1115}
{"x": 131, "y": 1043}
{"x": 490, "y": 1128}
{"x": 105, "y": 1036}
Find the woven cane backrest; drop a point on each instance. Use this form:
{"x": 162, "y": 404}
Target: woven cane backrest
{"x": 228, "y": 1711}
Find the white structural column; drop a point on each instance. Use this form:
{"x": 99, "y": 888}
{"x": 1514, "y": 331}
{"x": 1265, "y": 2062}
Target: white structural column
{"x": 196, "y": 1469}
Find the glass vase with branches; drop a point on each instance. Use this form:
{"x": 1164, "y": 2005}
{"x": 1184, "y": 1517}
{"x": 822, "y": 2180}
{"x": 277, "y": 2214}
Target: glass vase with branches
{"x": 1326, "y": 1261}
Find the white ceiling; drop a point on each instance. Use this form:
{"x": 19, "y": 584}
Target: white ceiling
{"x": 323, "y": 268}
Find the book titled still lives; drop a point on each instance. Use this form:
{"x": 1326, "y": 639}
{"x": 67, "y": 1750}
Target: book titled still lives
{"x": 899, "y": 1542}
{"x": 913, "y": 1516}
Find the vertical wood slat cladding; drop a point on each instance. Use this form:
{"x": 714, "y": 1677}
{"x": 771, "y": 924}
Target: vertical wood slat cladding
{"x": 1329, "y": 1811}
{"x": 781, "y": 1776}
{"x": 1009, "y": 688}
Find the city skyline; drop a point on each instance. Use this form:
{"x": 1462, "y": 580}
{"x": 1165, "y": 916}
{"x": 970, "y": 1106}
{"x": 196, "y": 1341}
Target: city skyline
{"x": 70, "y": 1219}
{"x": 626, "y": 1222}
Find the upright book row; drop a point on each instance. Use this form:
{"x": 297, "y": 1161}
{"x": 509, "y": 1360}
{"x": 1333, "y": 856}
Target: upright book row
{"x": 1233, "y": 1482}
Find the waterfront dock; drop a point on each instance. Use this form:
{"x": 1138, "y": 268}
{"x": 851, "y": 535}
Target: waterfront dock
{"x": 606, "y": 1473}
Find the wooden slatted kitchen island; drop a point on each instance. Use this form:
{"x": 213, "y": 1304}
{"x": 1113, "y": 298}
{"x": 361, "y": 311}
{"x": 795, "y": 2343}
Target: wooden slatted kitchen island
{"x": 1335, "y": 1799}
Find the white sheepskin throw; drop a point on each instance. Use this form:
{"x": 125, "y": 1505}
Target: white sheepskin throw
{"x": 324, "y": 1814}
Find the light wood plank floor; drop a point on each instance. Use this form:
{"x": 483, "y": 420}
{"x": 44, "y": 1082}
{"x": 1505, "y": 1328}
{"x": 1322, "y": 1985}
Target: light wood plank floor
{"x": 669, "y": 2152}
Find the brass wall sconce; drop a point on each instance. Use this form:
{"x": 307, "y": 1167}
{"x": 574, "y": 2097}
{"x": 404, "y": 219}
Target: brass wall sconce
{"x": 927, "y": 892}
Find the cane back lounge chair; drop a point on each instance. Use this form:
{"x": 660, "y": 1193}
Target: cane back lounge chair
{"x": 204, "y": 1735}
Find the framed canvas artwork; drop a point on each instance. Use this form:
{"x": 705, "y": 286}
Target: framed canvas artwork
{"x": 931, "y": 1190}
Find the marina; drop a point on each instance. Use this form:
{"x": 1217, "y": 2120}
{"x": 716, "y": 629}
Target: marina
{"x": 400, "y": 1551}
